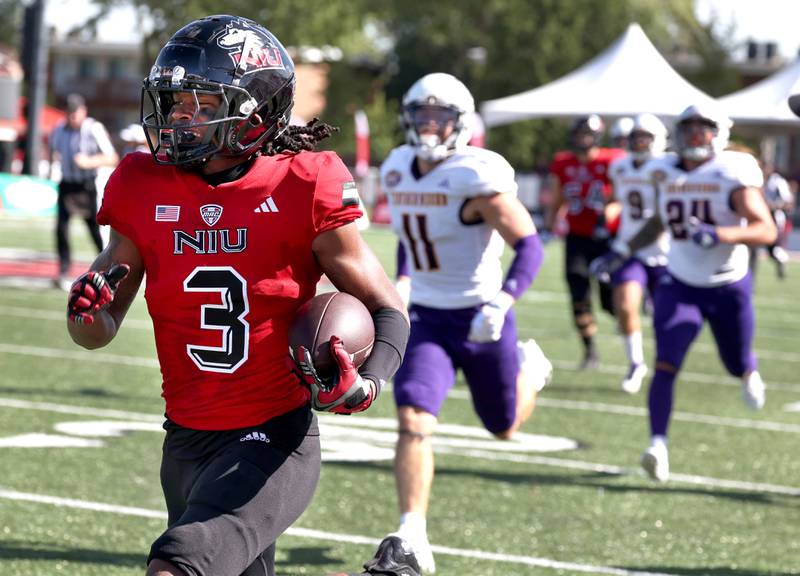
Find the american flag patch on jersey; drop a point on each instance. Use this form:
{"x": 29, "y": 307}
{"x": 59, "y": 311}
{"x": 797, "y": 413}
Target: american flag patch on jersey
{"x": 350, "y": 194}
{"x": 167, "y": 213}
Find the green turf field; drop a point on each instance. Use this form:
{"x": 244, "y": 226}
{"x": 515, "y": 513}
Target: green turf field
{"x": 84, "y": 498}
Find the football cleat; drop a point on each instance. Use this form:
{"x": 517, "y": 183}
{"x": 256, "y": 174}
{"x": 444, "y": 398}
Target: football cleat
{"x": 655, "y": 461}
{"x": 633, "y": 381}
{"x": 754, "y": 391}
{"x": 418, "y": 540}
{"x": 534, "y": 364}
{"x": 393, "y": 558}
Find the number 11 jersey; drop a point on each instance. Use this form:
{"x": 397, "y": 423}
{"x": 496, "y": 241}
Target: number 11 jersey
{"x": 453, "y": 264}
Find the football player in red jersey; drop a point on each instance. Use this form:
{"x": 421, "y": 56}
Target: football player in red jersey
{"x": 233, "y": 220}
{"x": 581, "y": 192}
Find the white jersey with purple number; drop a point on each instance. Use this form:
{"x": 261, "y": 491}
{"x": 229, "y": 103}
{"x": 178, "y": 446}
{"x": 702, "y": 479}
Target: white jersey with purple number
{"x": 633, "y": 188}
{"x": 453, "y": 264}
{"x": 705, "y": 193}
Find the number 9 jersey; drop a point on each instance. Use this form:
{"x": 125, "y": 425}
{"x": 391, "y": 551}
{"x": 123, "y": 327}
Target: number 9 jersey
{"x": 453, "y": 264}
{"x": 706, "y": 194}
{"x": 226, "y": 267}
{"x": 633, "y": 188}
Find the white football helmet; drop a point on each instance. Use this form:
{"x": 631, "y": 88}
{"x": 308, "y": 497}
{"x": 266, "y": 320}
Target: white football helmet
{"x": 649, "y": 124}
{"x": 437, "y": 98}
{"x": 716, "y": 120}
{"x": 621, "y": 129}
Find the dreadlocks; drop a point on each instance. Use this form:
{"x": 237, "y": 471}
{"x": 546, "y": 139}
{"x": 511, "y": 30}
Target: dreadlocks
{"x": 298, "y": 138}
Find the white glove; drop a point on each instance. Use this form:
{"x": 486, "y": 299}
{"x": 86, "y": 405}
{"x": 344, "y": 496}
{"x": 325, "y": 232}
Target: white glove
{"x": 487, "y": 324}
{"x": 403, "y": 287}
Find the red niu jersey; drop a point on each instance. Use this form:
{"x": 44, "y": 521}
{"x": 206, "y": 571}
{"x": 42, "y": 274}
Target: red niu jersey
{"x": 226, "y": 268}
{"x": 585, "y": 187}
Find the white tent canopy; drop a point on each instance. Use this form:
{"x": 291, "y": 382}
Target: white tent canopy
{"x": 765, "y": 103}
{"x": 628, "y": 78}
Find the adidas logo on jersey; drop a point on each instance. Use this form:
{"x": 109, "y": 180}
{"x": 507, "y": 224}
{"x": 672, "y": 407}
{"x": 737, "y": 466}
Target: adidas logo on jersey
{"x": 267, "y": 205}
{"x": 255, "y": 437}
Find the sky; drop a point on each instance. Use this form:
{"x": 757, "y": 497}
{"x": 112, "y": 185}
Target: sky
{"x": 760, "y": 20}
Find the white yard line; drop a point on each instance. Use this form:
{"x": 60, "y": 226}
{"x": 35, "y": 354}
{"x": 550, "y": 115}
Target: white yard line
{"x": 444, "y": 449}
{"x": 332, "y": 536}
{"x": 717, "y": 379}
{"x": 23, "y": 312}
{"x": 705, "y": 481}
{"x": 82, "y": 355}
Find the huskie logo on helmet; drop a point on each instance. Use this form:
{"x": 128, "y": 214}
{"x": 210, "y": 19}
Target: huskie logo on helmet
{"x": 442, "y": 100}
{"x": 248, "y": 46}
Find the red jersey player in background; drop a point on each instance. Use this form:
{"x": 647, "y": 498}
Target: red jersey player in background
{"x": 581, "y": 193}
{"x": 233, "y": 220}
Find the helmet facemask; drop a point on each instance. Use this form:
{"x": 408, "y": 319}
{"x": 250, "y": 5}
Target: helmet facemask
{"x": 235, "y": 128}
{"x": 640, "y": 145}
{"x": 433, "y": 130}
{"x": 684, "y": 136}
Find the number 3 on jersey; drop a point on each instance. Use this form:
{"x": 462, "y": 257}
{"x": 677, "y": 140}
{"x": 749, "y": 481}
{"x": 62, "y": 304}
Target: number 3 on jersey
{"x": 227, "y": 317}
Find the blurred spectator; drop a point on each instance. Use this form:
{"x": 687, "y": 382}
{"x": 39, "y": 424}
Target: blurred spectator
{"x": 81, "y": 145}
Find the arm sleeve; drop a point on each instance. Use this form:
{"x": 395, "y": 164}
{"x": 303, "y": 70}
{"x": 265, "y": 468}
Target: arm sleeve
{"x": 391, "y": 337}
{"x": 528, "y": 258}
{"x": 336, "y": 200}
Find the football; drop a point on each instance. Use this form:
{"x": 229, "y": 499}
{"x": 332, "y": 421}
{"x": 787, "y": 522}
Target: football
{"x": 333, "y": 314}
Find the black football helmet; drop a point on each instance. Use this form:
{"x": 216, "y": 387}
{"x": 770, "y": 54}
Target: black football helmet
{"x": 586, "y": 125}
{"x": 231, "y": 57}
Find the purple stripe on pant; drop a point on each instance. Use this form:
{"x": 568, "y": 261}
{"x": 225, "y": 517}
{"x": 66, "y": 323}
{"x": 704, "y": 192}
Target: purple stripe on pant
{"x": 438, "y": 346}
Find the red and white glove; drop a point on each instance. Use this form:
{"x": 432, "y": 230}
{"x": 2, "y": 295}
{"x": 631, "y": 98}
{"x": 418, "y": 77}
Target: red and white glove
{"x": 92, "y": 292}
{"x": 347, "y": 392}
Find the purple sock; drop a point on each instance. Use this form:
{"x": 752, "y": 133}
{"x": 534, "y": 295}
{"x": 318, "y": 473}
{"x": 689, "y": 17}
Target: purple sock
{"x": 659, "y": 401}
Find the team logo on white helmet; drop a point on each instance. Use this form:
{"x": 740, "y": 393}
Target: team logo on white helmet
{"x": 714, "y": 119}
{"x": 432, "y": 105}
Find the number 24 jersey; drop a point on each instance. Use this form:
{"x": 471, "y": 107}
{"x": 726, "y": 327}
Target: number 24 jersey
{"x": 706, "y": 194}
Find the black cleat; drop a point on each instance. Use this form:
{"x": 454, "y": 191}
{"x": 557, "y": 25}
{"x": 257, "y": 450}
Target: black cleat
{"x": 393, "y": 558}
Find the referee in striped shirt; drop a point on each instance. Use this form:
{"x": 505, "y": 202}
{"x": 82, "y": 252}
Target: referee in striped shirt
{"x": 81, "y": 144}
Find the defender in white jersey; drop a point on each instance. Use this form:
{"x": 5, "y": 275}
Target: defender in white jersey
{"x": 711, "y": 204}
{"x": 454, "y": 208}
{"x": 639, "y": 274}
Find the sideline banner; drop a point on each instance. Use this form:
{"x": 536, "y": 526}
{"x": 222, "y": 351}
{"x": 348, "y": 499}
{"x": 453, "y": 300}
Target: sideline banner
{"x": 27, "y": 196}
